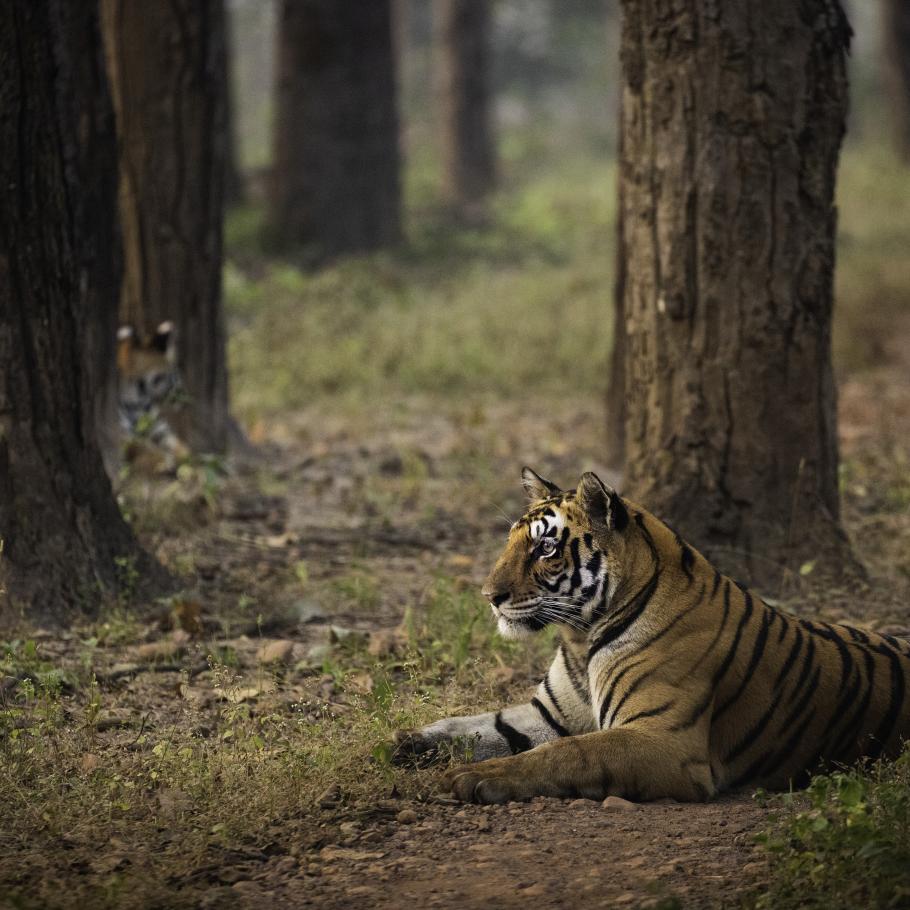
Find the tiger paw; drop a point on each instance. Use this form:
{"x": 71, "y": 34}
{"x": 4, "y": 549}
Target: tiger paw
{"x": 493, "y": 781}
{"x": 415, "y": 750}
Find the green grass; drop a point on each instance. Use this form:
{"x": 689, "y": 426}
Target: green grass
{"x": 843, "y": 844}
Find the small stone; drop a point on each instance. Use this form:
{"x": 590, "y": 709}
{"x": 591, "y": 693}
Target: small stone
{"x": 753, "y": 868}
{"x": 483, "y": 823}
{"x": 275, "y": 652}
{"x": 406, "y": 817}
{"x": 618, "y": 804}
{"x": 286, "y": 864}
{"x": 330, "y": 797}
{"x": 579, "y": 804}
{"x": 349, "y": 827}
{"x": 309, "y": 611}
{"x": 158, "y": 650}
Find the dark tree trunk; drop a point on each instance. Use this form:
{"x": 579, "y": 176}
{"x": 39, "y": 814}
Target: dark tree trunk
{"x": 234, "y": 189}
{"x": 168, "y": 75}
{"x": 732, "y": 120}
{"x": 463, "y": 85}
{"x": 60, "y": 527}
{"x": 896, "y": 20}
{"x": 334, "y": 185}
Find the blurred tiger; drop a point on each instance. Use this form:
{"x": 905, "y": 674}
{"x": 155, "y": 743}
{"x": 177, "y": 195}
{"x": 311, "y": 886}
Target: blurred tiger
{"x": 148, "y": 385}
{"x": 671, "y": 680}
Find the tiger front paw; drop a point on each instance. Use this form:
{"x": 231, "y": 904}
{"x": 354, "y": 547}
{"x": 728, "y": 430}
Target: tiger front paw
{"x": 498, "y": 780}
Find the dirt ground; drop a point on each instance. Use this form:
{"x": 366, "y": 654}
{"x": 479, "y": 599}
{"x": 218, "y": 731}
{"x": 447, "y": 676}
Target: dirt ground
{"x": 385, "y": 505}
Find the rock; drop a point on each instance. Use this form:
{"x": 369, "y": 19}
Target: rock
{"x": 341, "y": 634}
{"x": 159, "y": 650}
{"x": 330, "y": 797}
{"x": 275, "y": 652}
{"x": 406, "y": 817}
{"x": 285, "y": 865}
{"x": 580, "y": 803}
{"x": 385, "y": 642}
{"x": 309, "y": 610}
{"x": 618, "y": 804}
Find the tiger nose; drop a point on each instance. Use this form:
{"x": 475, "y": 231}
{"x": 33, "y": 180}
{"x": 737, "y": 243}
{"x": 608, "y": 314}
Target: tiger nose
{"x": 495, "y": 597}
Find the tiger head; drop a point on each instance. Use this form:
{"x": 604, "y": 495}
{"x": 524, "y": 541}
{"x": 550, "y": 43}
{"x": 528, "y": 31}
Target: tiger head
{"x": 563, "y": 557}
{"x": 146, "y": 367}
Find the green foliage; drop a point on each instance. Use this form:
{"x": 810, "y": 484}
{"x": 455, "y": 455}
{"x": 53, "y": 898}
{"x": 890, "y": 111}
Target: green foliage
{"x": 844, "y": 843}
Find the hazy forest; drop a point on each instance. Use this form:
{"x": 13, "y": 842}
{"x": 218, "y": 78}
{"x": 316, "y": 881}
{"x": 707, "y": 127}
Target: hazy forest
{"x": 291, "y": 291}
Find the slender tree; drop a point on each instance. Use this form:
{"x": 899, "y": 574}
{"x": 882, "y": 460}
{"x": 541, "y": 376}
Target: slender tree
{"x": 62, "y": 533}
{"x": 167, "y": 63}
{"x": 896, "y": 21}
{"x": 335, "y": 185}
{"x": 732, "y": 120}
{"x": 463, "y": 86}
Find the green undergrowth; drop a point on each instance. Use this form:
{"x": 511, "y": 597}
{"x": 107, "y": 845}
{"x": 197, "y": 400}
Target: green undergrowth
{"x": 226, "y": 761}
{"x": 842, "y": 844}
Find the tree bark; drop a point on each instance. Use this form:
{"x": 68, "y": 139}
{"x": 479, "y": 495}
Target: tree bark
{"x": 62, "y": 533}
{"x": 732, "y": 120}
{"x": 896, "y": 22}
{"x": 463, "y": 86}
{"x": 168, "y": 74}
{"x": 335, "y": 185}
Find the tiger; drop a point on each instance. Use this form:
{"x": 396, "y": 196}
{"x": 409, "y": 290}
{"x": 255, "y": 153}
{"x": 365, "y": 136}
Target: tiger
{"x": 671, "y": 680}
{"x": 148, "y": 385}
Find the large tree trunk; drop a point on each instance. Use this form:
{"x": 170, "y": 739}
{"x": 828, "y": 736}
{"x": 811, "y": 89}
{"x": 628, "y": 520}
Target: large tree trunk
{"x": 463, "y": 87}
{"x": 168, "y": 74}
{"x": 896, "y": 21}
{"x": 334, "y": 185}
{"x": 732, "y": 120}
{"x": 61, "y": 531}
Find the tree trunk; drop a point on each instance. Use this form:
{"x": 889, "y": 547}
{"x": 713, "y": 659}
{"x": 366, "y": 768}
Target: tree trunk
{"x": 334, "y": 185}
{"x": 732, "y": 120}
{"x": 62, "y": 533}
{"x": 168, "y": 74}
{"x": 896, "y": 21}
{"x": 463, "y": 85}
{"x": 234, "y": 189}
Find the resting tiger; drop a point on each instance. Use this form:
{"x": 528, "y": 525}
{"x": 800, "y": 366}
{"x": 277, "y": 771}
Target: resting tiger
{"x": 671, "y": 680}
{"x": 149, "y": 384}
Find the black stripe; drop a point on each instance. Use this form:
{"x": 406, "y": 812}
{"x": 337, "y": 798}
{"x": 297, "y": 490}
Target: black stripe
{"x": 803, "y": 703}
{"x": 721, "y": 671}
{"x": 545, "y": 714}
{"x": 830, "y": 633}
{"x": 760, "y": 641}
{"x": 583, "y": 692}
{"x": 855, "y": 724}
{"x": 771, "y": 762}
{"x": 791, "y": 657}
{"x": 752, "y": 735}
{"x": 686, "y": 558}
{"x": 593, "y": 565}
{"x": 857, "y": 634}
{"x": 654, "y": 712}
{"x": 716, "y": 584}
{"x": 605, "y": 704}
{"x": 886, "y": 727}
{"x": 720, "y": 630}
{"x": 636, "y": 607}
{"x": 575, "y": 581}
{"x": 517, "y": 741}
{"x": 631, "y": 691}
{"x": 806, "y": 670}
{"x": 549, "y": 690}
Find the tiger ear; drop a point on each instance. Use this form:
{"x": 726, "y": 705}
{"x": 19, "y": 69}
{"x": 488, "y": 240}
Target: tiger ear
{"x": 126, "y": 341}
{"x": 163, "y": 340}
{"x": 603, "y": 505}
{"x": 536, "y": 487}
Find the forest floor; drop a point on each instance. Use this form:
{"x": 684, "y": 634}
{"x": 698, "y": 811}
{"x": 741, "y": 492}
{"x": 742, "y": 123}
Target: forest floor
{"x": 228, "y": 744}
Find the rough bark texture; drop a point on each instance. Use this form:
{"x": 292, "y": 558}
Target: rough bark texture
{"x": 167, "y": 63}
{"x": 334, "y": 185}
{"x": 61, "y": 529}
{"x": 463, "y": 87}
{"x": 732, "y": 119}
{"x": 896, "y": 21}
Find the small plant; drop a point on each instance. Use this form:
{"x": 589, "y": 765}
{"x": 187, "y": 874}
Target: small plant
{"x": 844, "y": 842}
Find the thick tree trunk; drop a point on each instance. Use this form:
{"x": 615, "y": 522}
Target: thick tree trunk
{"x": 463, "y": 87}
{"x": 62, "y": 533}
{"x": 732, "y": 119}
{"x": 896, "y": 21}
{"x": 168, "y": 74}
{"x": 334, "y": 185}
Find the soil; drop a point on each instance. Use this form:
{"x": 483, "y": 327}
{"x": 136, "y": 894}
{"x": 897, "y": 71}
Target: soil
{"x": 399, "y": 501}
